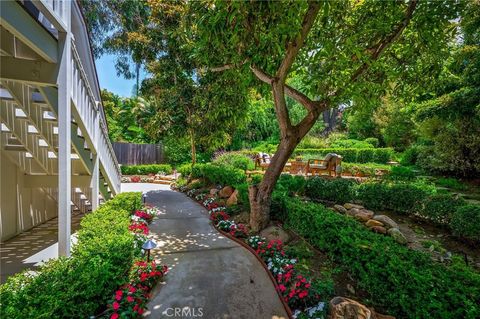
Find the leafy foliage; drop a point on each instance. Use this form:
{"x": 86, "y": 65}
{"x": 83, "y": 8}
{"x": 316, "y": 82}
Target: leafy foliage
{"x": 351, "y": 155}
{"x": 466, "y": 222}
{"x": 146, "y": 169}
{"x": 78, "y": 286}
{"x": 386, "y": 270}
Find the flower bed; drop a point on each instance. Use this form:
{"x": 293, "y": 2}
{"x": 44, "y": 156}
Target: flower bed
{"x": 130, "y": 299}
{"x": 103, "y": 260}
{"x": 294, "y": 289}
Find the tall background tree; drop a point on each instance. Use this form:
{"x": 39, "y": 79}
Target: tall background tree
{"x": 314, "y": 55}
{"x": 340, "y": 50}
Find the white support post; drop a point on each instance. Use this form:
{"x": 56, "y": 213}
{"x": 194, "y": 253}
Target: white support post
{"x": 64, "y": 83}
{"x": 95, "y": 182}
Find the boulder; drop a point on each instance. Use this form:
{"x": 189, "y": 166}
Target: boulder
{"x": 350, "y": 206}
{"x": 226, "y": 192}
{"x": 387, "y": 221}
{"x": 233, "y": 199}
{"x": 379, "y": 229}
{"x": 213, "y": 191}
{"x": 373, "y": 222}
{"x": 353, "y": 212}
{"x": 275, "y": 233}
{"x": 397, "y": 235}
{"x": 364, "y": 215}
{"x": 340, "y": 209}
{"x": 344, "y": 308}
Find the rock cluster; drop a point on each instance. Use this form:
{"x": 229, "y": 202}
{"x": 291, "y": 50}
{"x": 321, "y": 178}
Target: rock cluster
{"x": 344, "y": 308}
{"x": 381, "y": 224}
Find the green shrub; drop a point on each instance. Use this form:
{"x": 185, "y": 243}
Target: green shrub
{"x": 439, "y": 208}
{"x": 399, "y": 281}
{"x": 236, "y": 160}
{"x": 185, "y": 170}
{"x": 451, "y": 183}
{"x": 366, "y": 169}
{"x": 146, "y": 169}
{"x": 399, "y": 197}
{"x": 372, "y": 141}
{"x": 350, "y": 143}
{"x": 350, "y": 155}
{"x": 466, "y": 222}
{"x": 337, "y": 190}
{"x": 410, "y": 155}
{"x": 80, "y": 286}
{"x": 401, "y": 173}
{"x": 217, "y": 174}
{"x": 291, "y": 184}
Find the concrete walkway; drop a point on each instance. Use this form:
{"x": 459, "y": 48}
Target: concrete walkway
{"x": 210, "y": 276}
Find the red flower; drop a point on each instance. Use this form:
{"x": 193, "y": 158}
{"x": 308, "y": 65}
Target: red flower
{"x": 118, "y": 297}
{"x": 114, "y": 316}
{"x": 303, "y": 294}
{"x": 130, "y": 299}
{"x": 132, "y": 289}
{"x": 282, "y": 288}
{"x": 116, "y": 305}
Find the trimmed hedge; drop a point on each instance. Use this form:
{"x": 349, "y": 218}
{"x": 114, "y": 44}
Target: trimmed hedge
{"x": 78, "y": 287}
{"x": 411, "y": 198}
{"x": 335, "y": 190}
{"x": 401, "y": 282}
{"x": 352, "y": 155}
{"x": 146, "y": 169}
{"x": 466, "y": 222}
{"x": 398, "y": 197}
{"x": 214, "y": 173}
{"x": 439, "y": 208}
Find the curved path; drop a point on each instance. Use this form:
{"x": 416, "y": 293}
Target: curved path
{"x": 210, "y": 276}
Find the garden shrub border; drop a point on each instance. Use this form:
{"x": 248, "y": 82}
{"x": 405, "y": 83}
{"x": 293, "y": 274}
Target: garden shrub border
{"x": 80, "y": 286}
{"x": 351, "y": 155}
{"x": 146, "y": 169}
{"x": 405, "y": 283}
{"x": 410, "y": 198}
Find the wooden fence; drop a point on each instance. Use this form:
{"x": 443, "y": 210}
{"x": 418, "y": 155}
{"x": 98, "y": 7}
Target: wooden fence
{"x": 137, "y": 154}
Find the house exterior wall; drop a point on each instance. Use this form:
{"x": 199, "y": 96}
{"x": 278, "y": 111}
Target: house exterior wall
{"x": 21, "y": 208}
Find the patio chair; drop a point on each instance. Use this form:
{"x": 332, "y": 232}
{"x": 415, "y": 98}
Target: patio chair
{"x": 328, "y": 164}
{"x": 262, "y": 161}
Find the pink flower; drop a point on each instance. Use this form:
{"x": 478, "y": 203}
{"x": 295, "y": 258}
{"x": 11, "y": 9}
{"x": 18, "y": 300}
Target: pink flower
{"x": 130, "y": 299}
{"x": 114, "y": 316}
{"x": 118, "y": 297}
{"x": 282, "y": 288}
{"x": 116, "y": 305}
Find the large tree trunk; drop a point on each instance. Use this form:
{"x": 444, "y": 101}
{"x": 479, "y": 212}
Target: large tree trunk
{"x": 260, "y": 195}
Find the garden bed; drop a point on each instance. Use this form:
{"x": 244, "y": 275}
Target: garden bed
{"x": 106, "y": 258}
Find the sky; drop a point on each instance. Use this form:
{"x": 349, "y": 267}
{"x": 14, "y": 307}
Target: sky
{"x": 108, "y": 78}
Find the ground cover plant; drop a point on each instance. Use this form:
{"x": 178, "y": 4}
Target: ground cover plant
{"x": 405, "y": 283}
{"x": 415, "y": 198}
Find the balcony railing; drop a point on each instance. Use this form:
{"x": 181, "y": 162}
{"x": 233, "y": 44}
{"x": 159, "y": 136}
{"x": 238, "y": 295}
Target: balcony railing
{"x": 87, "y": 109}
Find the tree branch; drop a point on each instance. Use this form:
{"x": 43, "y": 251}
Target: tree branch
{"x": 294, "y": 46}
{"x": 226, "y": 66}
{"x": 384, "y": 43}
{"x": 295, "y": 94}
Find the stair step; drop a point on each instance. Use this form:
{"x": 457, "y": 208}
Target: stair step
{"x": 16, "y": 148}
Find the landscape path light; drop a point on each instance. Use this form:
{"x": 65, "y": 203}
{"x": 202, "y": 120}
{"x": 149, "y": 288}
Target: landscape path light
{"x": 147, "y": 246}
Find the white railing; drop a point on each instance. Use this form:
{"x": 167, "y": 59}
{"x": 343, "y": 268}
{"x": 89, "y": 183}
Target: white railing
{"x": 85, "y": 104}
{"x": 86, "y": 107}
